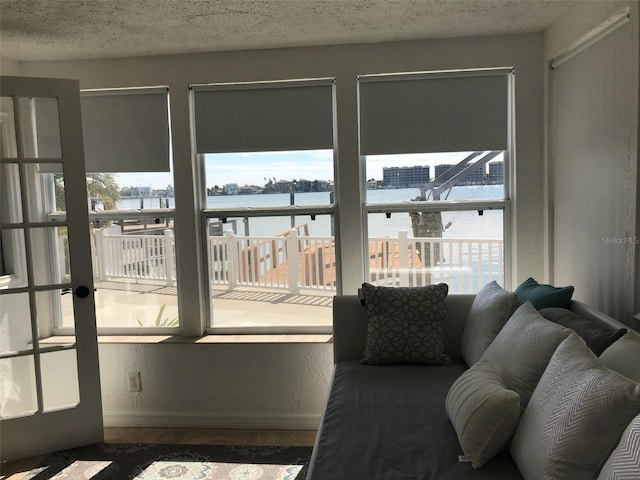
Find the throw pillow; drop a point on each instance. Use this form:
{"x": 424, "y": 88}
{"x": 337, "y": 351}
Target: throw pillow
{"x": 542, "y": 295}
{"x": 624, "y": 462}
{"x": 522, "y": 350}
{"x": 624, "y": 356}
{"x": 575, "y": 418}
{"x": 405, "y": 324}
{"x": 491, "y": 308}
{"x": 596, "y": 337}
{"x": 483, "y": 411}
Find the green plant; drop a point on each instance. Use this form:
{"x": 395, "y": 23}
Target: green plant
{"x": 161, "y": 322}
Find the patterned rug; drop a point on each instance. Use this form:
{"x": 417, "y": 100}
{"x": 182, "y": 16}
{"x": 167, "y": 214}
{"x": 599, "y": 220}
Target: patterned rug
{"x": 177, "y": 462}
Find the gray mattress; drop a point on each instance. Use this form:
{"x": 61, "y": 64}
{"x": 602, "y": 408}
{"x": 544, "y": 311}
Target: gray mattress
{"x": 389, "y": 422}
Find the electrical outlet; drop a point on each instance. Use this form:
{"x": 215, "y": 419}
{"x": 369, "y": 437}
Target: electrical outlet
{"x": 134, "y": 382}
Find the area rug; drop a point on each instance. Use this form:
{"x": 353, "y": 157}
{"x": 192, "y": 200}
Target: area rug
{"x": 178, "y": 462}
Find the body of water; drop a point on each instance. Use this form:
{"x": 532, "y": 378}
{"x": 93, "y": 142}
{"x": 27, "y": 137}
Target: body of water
{"x": 466, "y": 224}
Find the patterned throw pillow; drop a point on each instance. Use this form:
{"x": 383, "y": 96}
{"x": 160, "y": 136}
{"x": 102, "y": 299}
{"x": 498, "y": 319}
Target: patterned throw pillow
{"x": 491, "y": 308}
{"x": 624, "y": 462}
{"x": 405, "y": 324}
{"x": 483, "y": 411}
{"x": 522, "y": 350}
{"x": 575, "y": 418}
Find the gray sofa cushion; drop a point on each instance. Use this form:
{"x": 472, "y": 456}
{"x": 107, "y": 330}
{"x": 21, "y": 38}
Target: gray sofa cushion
{"x": 389, "y": 422}
{"x": 623, "y": 356}
{"x": 490, "y": 310}
{"x": 575, "y": 417}
{"x": 405, "y": 325}
{"x": 483, "y": 411}
{"x": 624, "y": 462}
{"x": 522, "y": 350}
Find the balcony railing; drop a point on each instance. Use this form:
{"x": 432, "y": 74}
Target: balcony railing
{"x": 294, "y": 261}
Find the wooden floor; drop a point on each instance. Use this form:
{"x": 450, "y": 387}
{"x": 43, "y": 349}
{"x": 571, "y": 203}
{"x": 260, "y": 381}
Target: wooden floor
{"x": 187, "y": 436}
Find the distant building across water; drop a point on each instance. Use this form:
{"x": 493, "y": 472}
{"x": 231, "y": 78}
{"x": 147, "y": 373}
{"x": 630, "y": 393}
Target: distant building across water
{"x": 416, "y": 176}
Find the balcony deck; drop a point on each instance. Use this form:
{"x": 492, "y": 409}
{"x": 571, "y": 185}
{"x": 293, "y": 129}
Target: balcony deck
{"x": 120, "y": 303}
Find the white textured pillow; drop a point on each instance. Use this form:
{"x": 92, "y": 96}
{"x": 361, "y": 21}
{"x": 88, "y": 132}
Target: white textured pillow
{"x": 491, "y": 308}
{"x": 522, "y": 350}
{"x": 484, "y": 413}
{"x": 575, "y": 417}
{"x": 624, "y": 462}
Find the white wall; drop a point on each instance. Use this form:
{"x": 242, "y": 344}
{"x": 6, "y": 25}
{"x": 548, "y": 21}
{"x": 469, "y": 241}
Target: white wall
{"x": 9, "y": 67}
{"x": 286, "y": 384}
{"x": 592, "y": 162}
{"x": 252, "y": 385}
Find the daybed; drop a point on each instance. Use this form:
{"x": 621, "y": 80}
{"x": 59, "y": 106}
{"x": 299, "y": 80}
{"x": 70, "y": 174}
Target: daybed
{"x": 393, "y": 421}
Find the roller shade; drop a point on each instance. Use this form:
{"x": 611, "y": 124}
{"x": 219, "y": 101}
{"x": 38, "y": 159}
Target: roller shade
{"x": 433, "y": 113}
{"x": 126, "y": 130}
{"x": 265, "y": 116}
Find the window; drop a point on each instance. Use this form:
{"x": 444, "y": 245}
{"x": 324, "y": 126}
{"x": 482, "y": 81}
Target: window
{"x": 266, "y": 155}
{"x": 131, "y": 208}
{"x": 436, "y": 153}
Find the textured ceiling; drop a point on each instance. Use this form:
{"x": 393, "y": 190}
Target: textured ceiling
{"x": 75, "y": 29}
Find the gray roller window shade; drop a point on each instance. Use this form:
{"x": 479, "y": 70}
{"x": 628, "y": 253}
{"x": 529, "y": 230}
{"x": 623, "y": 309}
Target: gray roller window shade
{"x": 433, "y": 113}
{"x": 126, "y": 130}
{"x": 261, "y": 117}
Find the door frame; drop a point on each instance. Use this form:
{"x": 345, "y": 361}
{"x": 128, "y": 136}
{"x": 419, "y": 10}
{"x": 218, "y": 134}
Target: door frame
{"x": 46, "y": 431}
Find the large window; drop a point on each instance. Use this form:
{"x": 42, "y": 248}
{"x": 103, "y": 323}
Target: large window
{"x": 266, "y": 155}
{"x": 436, "y": 153}
{"x": 131, "y": 208}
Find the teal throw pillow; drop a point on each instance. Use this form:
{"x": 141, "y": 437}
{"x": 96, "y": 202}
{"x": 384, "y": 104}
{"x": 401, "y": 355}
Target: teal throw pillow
{"x": 542, "y": 295}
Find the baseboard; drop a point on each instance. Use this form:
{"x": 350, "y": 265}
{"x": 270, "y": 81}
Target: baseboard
{"x": 291, "y": 422}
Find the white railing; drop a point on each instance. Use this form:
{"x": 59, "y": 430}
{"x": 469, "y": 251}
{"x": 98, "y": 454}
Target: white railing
{"x": 466, "y": 265}
{"x": 264, "y": 261}
{"x": 293, "y": 260}
{"x": 149, "y": 257}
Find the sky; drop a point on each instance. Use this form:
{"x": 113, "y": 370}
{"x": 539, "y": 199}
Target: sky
{"x": 258, "y": 168}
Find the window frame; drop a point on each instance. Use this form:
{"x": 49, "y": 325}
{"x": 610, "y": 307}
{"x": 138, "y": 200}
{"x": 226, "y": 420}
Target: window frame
{"x": 504, "y": 204}
{"x": 207, "y": 214}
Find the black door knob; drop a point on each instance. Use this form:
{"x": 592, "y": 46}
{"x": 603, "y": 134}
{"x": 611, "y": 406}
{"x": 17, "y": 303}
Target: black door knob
{"x": 82, "y": 291}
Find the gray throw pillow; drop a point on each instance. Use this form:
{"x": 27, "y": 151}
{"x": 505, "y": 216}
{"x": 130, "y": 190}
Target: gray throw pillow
{"x": 575, "y": 418}
{"x": 483, "y": 411}
{"x": 597, "y": 338}
{"x": 623, "y": 356}
{"x": 522, "y": 350}
{"x": 624, "y": 462}
{"x": 491, "y": 308}
{"x": 405, "y": 324}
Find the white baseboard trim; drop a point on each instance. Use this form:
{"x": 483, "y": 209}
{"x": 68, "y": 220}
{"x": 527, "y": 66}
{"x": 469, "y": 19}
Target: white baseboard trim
{"x": 173, "y": 420}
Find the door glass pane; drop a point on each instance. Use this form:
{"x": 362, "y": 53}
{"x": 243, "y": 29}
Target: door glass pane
{"x": 8, "y": 144}
{"x": 17, "y": 387}
{"x": 44, "y": 183}
{"x": 13, "y": 258}
{"x": 60, "y": 379}
{"x": 55, "y": 309}
{"x": 15, "y": 323}
{"x": 10, "y": 200}
{"x": 40, "y": 126}
{"x": 50, "y": 255}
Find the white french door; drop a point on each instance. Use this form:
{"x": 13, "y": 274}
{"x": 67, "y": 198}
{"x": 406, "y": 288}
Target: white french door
{"x": 49, "y": 385}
